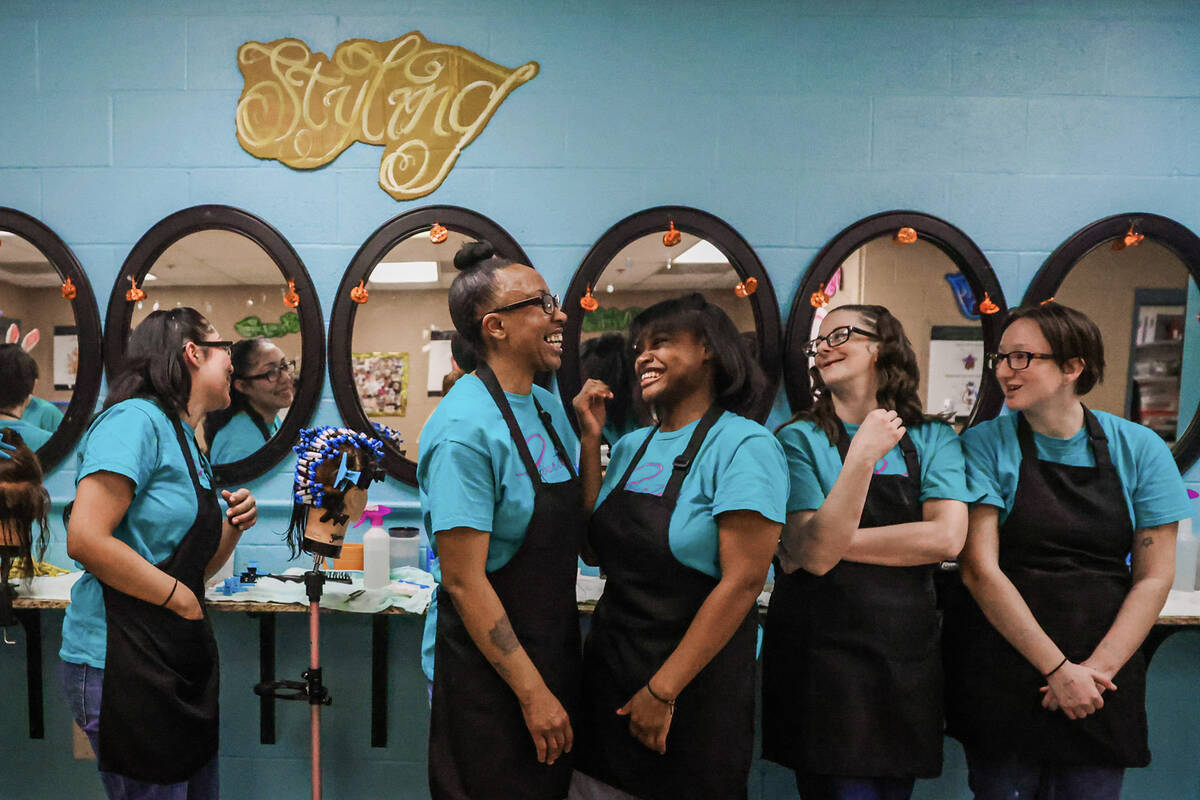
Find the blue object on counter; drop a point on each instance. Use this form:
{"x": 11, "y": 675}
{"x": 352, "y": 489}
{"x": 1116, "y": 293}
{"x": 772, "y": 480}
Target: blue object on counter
{"x": 423, "y": 557}
{"x": 234, "y": 585}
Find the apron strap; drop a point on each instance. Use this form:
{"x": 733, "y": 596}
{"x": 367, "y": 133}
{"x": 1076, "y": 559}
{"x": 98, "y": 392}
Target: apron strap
{"x": 912, "y": 461}
{"x": 683, "y": 462}
{"x": 548, "y": 424}
{"x": 636, "y": 458}
{"x": 187, "y": 455}
{"x": 485, "y": 374}
{"x": 1095, "y": 435}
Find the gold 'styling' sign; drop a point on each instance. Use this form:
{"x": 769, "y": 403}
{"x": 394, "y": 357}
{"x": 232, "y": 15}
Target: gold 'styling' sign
{"x": 423, "y": 101}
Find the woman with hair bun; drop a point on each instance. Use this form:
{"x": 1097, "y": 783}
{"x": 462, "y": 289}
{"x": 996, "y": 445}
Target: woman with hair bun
{"x": 139, "y": 660}
{"x": 501, "y": 503}
{"x": 687, "y": 521}
{"x": 852, "y": 676}
{"x": 1070, "y": 554}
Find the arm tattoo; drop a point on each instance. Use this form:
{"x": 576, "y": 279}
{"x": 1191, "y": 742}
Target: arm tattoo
{"x": 1146, "y": 542}
{"x": 503, "y": 637}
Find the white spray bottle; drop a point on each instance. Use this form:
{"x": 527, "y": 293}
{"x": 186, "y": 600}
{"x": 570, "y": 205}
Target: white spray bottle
{"x": 376, "y": 548}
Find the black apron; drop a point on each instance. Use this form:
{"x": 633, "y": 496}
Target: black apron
{"x": 158, "y": 709}
{"x": 852, "y": 674}
{"x": 1064, "y": 547}
{"x": 649, "y": 601}
{"x": 479, "y": 746}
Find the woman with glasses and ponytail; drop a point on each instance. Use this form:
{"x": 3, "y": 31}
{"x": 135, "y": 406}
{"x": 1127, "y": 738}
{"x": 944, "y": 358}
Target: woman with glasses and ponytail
{"x": 502, "y": 506}
{"x": 1069, "y": 557}
{"x": 852, "y": 675}
{"x": 262, "y": 385}
{"x": 140, "y": 667}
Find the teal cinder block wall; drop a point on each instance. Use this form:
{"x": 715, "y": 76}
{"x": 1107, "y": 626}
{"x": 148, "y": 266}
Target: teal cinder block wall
{"x": 1019, "y": 122}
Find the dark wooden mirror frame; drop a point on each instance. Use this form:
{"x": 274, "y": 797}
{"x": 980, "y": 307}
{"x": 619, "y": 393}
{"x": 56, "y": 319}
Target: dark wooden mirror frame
{"x": 699, "y": 223}
{"x": 1163, "y": 231}
{"x": 967, "y": 257}
{"x": 312, "y": 336}
{"x": 87, "y": 324}
{"x": 341, "y": 321}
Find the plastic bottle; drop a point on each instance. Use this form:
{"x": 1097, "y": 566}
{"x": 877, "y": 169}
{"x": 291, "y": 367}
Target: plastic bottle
{"x": 406, "y": 547}
{"x": 1187, "y": 552}
{"x": 376, "y": 548}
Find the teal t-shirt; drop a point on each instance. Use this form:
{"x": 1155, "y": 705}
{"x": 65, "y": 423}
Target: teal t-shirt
{"x": 43, "y": 414}
{"x": 34, "y": 436}
{"x": 814, "y": 464}
{"x": 239, "y": 438}
{"x": 740, "y": 467}
{"x": 134, "y": 438}
{"x": 470, "y": 473}
{"x": 1154, "y": 490}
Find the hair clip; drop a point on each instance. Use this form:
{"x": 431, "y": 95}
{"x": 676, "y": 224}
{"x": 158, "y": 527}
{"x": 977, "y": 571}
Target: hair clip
{"x": 6, "y": 449}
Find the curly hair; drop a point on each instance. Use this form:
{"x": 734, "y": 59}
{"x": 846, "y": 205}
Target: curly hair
{"x": 897, "y": 370}
{"x": 24, "y": 502}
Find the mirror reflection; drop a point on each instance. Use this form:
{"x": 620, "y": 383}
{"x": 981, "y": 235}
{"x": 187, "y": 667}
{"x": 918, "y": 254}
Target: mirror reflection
{"x": 1141, "y": 298}
{"x": 404, "y": 354}
{"x": 925, "y": 290}
{"x": 643, "y": 273}
{"x": 233, "y": 282}
{"x": 40, "y": 354}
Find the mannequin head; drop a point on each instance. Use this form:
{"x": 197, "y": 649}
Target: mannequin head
{"x": 24, "y": 502}
{"x": 335, "y": 467}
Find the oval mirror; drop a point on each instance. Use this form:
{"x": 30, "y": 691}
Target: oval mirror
{"x": 933, "y": 279}
{"x": 1136, "y": 276}
{"x": 390, "y": 350}
{"x": 48, "y": 310}
{"x": 653, "y": 255}
{"x": 242, "y": 275}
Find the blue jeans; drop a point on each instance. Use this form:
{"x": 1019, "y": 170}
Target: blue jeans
{"x": 1014, "y": 778}
{"x": 82, "y": 685}
{"x": 834, "y": 787}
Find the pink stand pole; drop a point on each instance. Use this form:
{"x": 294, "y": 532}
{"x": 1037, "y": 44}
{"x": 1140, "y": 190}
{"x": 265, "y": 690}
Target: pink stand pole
{"x": 314, "y": 662}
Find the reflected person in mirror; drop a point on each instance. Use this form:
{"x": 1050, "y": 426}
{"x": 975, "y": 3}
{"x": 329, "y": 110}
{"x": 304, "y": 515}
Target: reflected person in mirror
{"x": 1069, "y": 557}
{"x": 503, "y": 510}
{"x": 24, "y": 505}
{"x": 263, "y": 384}
{"x": 140, "y": 667}
{"x": 685, "y": 524}
{"x": 852, "y": 673}
{"x": 18, "y": 379}
{"x": 608, "y": 359}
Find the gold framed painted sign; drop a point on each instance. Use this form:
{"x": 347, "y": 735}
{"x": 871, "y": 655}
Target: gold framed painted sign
{"x": 421, "y": 100}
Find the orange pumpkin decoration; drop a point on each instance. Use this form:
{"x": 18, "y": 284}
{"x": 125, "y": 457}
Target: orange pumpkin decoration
{"x": 134, "y": 294}
{"x": 746, "y": 287}
{"x": 291, "y": 298}
{"x": 905, "y": 236}
{"x": 588, "y": 302}
{"x": 68, "y": 290}
{"x": 672, "y": 237}
{"x": 819, "y": 299}
{"x": 986, "y": 306}
{"x": 1133, "y": 239}
{"x": 359, "y": 294}
{"x": 438, "y": 233}
{"x": 1047, "y": 300}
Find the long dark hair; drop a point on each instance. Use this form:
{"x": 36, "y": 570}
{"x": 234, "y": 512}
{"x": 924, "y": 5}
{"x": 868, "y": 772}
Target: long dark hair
{"x": 24, "y": 502}
{"x": 154, "y": 365}
{"x": 897, "y": 370}
{"x": 472, "y": 289}
{"x": 243, "y": 356}
{"x": 608, "y": 358}
{"x": 738, "y": 380}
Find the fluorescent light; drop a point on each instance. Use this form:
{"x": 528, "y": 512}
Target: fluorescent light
{"x": 7, "y": 233}
{"x": 405, "y": 272}
{"x": 702, "y": 252}
{"x": 149, "y": 277}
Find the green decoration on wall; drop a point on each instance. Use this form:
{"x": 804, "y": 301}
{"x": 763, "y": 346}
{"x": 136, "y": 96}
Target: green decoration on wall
{"x": 609, "y": 319}
{"x": 250, "y": 327}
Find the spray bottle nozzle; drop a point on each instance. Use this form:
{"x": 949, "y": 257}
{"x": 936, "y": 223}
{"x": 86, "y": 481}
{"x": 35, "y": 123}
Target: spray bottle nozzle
{"x": 375, "y": 514}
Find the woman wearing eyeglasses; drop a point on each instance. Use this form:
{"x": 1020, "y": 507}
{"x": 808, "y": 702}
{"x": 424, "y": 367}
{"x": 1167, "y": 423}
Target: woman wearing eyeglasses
{"x": 852, "y": 677}
{"x": 140, "y": 667}
{"x": 1045, "y": 682}
{"x": 261, "y": 387}
{"x": 502, "y": 506}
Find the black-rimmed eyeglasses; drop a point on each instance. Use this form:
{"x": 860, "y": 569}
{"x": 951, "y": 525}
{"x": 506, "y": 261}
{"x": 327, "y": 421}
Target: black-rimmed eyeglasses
{"x": 836, "y": 338}
{"x": 548, "y": 302}
{"x": 220, "y": 345}
{"x": 272, "y": 374}
{"x": 1017, "y": 359}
